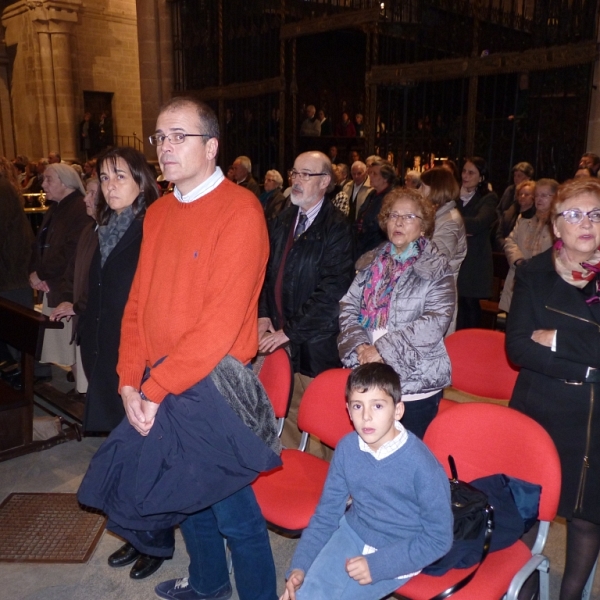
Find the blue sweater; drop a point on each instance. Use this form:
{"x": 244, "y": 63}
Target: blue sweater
{"x": 400, "y": 505}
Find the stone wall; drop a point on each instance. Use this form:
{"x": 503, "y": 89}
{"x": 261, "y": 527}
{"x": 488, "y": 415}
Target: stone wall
{"x": 62, "y": 48}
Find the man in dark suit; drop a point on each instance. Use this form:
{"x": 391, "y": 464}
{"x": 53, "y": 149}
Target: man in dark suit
{"x": 358, "y": 188}
{"x": 310, "y": 269}
{"x": 242, "y": 173}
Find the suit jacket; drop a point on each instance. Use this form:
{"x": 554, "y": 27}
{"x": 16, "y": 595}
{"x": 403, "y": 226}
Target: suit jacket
{"x": 355, "y": 205}
{"x": 367, "y": 232}
{"x": 250, "y": 184}
{"x": 56, "y": 242}
{"x": 477, "y": 270}
{"x": 543, "y": 300}
{"x": 99, "y": 329}
{"x": 318, "y": 271}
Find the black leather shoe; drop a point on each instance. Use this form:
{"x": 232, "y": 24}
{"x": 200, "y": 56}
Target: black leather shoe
{"x": 124, "y": 556}
{"x": 145, "y": 566}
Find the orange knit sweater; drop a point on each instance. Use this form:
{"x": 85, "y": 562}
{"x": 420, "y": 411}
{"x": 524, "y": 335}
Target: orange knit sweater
{"x": 194, "y": 298}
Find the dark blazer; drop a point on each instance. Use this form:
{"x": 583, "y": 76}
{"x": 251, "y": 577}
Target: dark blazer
{"x": 543, "y": 300}
{"x": 367, "y": 233}
{"x": 56, "y": 242}
{"x": 250, "y": 184}
{"x": 477, "y": 270}
{"x": 276, "y": 202}
{"x": 318, "y": 272}
{"x": 99, "y": 329}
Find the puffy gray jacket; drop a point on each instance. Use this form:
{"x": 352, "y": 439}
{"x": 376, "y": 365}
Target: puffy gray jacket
{"x": 421, "y": 309}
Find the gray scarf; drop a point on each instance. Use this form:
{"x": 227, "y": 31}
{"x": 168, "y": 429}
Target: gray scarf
{"x": 110, "y": 234}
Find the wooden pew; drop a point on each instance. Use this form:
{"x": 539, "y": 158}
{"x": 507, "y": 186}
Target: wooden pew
{"x": 23, "y": 329}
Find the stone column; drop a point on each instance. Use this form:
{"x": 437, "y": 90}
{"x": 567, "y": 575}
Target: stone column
{"x": 7, "y": 140}
{"x": 156, "y": 63}
{"x": 50, "y": 117}
{"x": 43, "y": 75}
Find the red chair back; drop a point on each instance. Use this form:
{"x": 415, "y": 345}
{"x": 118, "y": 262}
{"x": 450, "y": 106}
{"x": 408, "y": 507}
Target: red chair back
{"x": 277, "y": 379}
{"x": 479, "y": 363}
{"x": 323, "y": 411}
{"x": 485, "y": 439}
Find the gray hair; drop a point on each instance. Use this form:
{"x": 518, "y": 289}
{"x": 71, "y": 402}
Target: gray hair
{"x": 276, "y": 175}
{"x": 68, "y": 176}
{"x": 245, "y": 162}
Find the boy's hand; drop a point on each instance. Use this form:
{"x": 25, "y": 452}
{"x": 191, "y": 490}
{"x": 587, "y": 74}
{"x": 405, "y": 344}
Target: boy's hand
{"x": 358, "y": 569}
{"x": 292, "y": 584}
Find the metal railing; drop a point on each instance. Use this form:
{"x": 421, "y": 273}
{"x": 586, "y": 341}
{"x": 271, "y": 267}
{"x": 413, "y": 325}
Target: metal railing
{"x": 133, "y": 141}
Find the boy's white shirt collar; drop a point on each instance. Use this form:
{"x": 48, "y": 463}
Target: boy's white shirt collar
{"x": 388, "y": 448}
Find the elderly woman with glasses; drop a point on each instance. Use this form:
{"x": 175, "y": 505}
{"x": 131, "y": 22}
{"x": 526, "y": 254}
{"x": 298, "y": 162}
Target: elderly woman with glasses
{"x": 553, "y": 334}
{"x": 400, "y": 305}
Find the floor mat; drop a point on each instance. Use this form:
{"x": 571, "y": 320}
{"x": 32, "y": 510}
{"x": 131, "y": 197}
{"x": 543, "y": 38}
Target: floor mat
{"x": 48, "y": 528}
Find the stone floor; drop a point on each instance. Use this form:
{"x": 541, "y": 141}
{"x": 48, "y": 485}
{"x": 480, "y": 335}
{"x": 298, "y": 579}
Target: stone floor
{"x": 60, "y": 469}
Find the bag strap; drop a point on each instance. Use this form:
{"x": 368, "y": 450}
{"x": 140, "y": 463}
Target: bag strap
{"x": 459, "y": 585}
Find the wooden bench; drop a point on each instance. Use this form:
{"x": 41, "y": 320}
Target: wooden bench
{"x": 23, "y": 329}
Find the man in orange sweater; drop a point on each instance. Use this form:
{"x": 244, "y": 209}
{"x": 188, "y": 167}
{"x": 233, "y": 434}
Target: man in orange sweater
{"x": 193, "y": 301}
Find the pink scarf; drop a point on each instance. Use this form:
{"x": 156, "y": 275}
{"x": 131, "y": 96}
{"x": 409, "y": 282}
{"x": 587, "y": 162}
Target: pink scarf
{"x": 578, "y": 274}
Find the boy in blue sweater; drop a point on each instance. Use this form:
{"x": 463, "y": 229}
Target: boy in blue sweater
{"x": 399, "y": 519}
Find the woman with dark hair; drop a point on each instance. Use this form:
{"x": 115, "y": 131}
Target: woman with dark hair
{"x": 478, "y": 209}
{"x": 367, "y": 232}
{"x": 449, "y": 237}
{"x": 127, "y": 187}
{"x": 400, "y": 305}
{"x": 553, "y": 334}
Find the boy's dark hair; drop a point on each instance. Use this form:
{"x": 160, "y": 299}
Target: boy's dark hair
{"x": 374, "y": 375}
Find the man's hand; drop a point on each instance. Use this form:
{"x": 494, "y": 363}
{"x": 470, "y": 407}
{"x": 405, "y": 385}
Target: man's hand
{"x": 37, "y": 284}
{"x": 368, "y": 354}
{"x": 140, "y": 413}
{"x": 64, "y": 309}
{"x": 271, "y": 341}
{"x": 264, "y": 325}
{"x": 543, "y": 336}
{"x": 358, "y": 569}
{"x": 292, "y": 584}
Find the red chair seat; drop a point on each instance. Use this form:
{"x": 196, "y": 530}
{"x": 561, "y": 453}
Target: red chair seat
{"x": 288, "y": 495}
{"x": 492, "y": 579}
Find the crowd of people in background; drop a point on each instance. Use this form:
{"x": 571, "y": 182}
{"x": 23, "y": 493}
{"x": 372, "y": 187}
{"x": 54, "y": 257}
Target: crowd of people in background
{"x": 365, "y": 265}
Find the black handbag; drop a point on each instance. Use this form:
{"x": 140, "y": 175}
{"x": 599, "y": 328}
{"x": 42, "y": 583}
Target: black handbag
{"x": 472, "y": 513}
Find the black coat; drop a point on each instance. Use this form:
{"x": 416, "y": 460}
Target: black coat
{"x": 477, "y": 270}
{"x": 99, "y": 329}
{"x": 318, "y": 272}
{"x": 367, "y": 232}
{"x": 56, "y": 242}
{"x": 539, "y": 301}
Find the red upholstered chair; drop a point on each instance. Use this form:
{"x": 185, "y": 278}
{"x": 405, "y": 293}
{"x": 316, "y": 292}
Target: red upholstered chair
{"x": 485, "y": 439}
{"x": 479, "y": 363}
{"x": 278, "y": 380}
{"x": 445, "y": 404}
{"x": 289, "y": 494}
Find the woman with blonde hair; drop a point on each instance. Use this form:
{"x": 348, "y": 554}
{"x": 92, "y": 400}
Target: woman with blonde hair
{"x": 553, "y": 334}
{"x": 530, "y": 236}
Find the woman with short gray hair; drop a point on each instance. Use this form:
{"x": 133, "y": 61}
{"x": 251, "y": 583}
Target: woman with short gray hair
{"x": 54, "y": 249}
